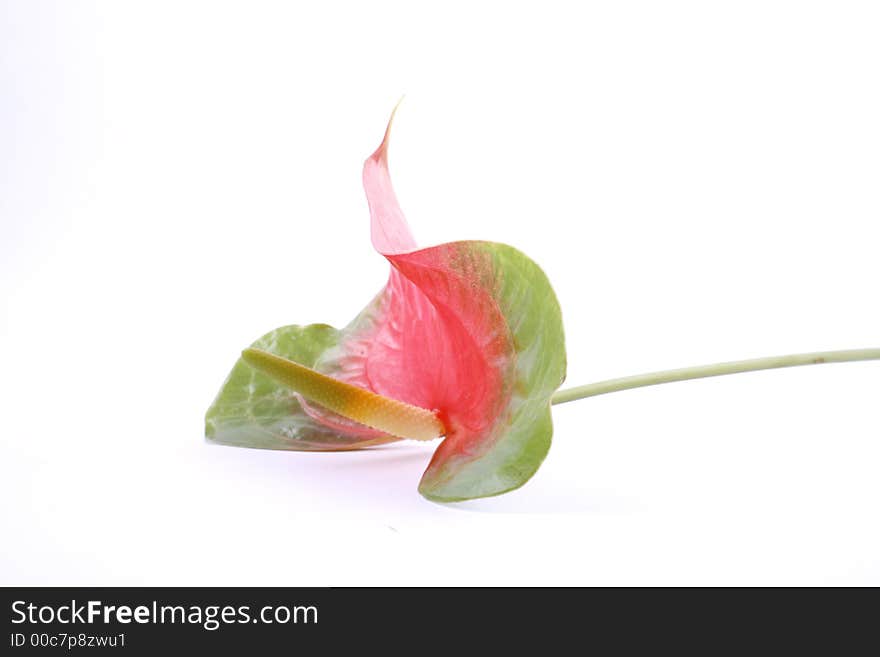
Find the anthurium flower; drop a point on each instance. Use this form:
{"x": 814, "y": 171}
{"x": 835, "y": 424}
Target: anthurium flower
{"x": 464, "y": 343}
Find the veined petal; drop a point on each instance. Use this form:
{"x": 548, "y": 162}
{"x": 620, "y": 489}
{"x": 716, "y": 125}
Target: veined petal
{"x": 491, "y": 458}
{"x": 472, "y": 329}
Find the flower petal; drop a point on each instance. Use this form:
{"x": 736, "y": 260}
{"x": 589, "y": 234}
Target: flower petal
{"x": 469, "y": 329}
{"x": 388, "y": 228}
{"x": 490, "y": 458}
{"x": 472, "y": 329}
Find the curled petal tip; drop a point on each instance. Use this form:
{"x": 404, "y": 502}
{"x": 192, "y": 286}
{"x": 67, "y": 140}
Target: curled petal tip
{"x": 381, "y": 153}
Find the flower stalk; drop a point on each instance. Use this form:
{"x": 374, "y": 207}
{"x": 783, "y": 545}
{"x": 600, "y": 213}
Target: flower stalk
{"x": 717, "y": 369}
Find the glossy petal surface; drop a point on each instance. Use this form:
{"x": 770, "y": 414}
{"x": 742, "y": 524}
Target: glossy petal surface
{"x": 470, "y": 329}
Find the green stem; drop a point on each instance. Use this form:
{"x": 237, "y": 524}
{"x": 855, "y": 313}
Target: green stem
{"x": 718, "y": 369}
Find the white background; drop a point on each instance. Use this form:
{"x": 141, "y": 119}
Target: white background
{"x": 699, "y": 181}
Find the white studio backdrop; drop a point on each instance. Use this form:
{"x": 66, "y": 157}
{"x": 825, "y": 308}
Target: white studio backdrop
{"x": 698, "y": 180}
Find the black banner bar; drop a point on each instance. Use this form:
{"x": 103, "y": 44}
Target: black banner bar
{"x": 259, "y": 620}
